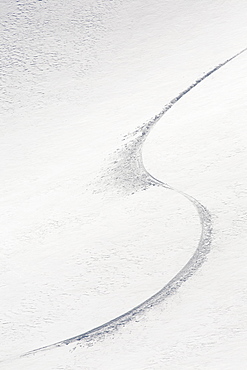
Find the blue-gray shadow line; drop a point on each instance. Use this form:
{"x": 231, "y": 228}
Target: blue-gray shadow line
{"x": 187, "y": 271}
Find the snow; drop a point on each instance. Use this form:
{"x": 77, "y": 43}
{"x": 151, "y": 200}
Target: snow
{"x": 85, "y": 238}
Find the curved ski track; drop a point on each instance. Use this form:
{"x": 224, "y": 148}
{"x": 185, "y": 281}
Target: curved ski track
{"x": 192, "y": 265}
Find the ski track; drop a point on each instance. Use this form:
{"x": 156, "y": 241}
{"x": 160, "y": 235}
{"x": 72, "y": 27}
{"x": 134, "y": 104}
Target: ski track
{"x": 192, "y": 265}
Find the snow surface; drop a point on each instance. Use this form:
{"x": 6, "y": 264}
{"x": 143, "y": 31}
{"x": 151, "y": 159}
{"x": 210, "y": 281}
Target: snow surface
{"x": 84, "y": 236}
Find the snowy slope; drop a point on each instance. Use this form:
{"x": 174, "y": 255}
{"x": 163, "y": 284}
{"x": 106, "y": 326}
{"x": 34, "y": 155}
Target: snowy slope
{"x": 82, "y": 241}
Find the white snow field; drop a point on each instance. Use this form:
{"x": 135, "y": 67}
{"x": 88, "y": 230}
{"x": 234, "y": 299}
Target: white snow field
{"x": 100, "y": 214}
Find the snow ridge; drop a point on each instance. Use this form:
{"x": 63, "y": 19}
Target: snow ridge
{"x": 134, "y": 150}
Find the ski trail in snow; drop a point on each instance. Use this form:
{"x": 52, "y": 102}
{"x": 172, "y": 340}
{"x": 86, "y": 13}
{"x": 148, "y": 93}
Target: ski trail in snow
{"x": 192, "y": 265}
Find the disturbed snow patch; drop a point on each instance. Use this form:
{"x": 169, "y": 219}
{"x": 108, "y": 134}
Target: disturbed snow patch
{"x": 125, "y": 173}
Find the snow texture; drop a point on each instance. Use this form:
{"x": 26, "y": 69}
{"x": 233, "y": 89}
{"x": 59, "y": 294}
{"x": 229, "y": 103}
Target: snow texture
{"x": 101, "y": 252}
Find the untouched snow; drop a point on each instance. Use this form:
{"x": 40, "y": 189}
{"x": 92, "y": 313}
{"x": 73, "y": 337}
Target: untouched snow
{"x": 83, "y": 237}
